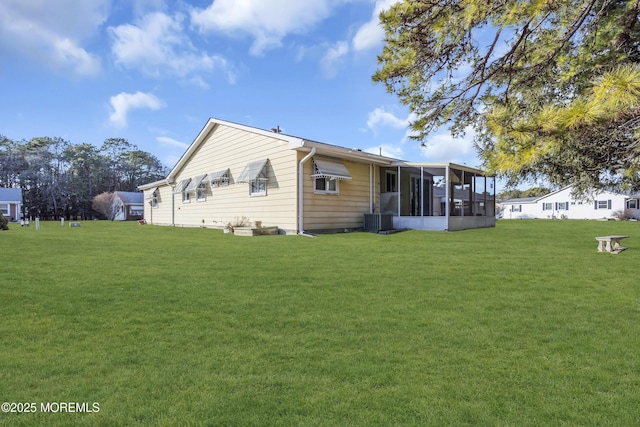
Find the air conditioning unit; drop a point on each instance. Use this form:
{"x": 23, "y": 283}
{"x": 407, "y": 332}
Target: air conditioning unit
{"x": 378, "y": 222}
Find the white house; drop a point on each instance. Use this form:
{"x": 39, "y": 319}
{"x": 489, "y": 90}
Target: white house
{"x": 562, "y": 204}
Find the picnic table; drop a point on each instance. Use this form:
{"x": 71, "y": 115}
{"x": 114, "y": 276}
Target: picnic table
{"x": 610, "y": 244}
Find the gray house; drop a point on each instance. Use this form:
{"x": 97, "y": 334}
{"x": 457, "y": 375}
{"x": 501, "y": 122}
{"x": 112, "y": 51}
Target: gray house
{"x": 128, "y": 205}
{"x": 11, "y": 203}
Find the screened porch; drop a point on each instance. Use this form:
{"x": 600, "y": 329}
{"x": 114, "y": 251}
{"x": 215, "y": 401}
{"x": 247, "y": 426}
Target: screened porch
{"x": 429, "y": 196}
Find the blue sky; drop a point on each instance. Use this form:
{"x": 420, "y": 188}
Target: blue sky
{"x": 154, "y": 71}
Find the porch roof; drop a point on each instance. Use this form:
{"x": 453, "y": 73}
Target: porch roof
{"x": 440, "y": 165}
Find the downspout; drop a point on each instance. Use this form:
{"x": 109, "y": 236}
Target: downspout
{"x": 173, "y": 207}
{"x": 301, "y": 192}
{"x": 447, "y": 193}
{"x": 371, "y": 179}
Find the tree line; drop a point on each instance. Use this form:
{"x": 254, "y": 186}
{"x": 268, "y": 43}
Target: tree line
{"x": 60, "y": 179}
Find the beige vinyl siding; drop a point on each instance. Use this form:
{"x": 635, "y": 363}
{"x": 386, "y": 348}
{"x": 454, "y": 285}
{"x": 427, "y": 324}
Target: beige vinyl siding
{"x": 160, "y": 215}
{"x": 231, "y": 148}
{"x": 338, "y": 211}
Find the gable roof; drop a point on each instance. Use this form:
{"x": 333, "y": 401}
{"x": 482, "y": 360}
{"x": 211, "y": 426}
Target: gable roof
{"x": 521, "y": 200}
{"x": 11, "y": 195}
{"x": 294, "y": 143}
{"x": 130, "y": 197}
{"x": 298, "y": 144}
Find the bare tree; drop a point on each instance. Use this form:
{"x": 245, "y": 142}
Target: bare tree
{"x": 104, "y": 204}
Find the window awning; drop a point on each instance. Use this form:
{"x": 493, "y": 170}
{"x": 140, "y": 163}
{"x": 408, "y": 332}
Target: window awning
{"x": 217, "y": 176}
{"x": 330, "y": 169}
{"x": 181, "y": 186}
{"x": 252, "y": 171}
{"x": 194, "y": 183}
{"x": 151, "y": 193}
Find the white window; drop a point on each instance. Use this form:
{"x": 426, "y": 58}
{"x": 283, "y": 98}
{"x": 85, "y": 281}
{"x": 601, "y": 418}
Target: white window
{"x": 562, "y": 206}
{"x": 193, "y": 187}
{"x": 326, "y": 186}
{"x": 547, "y": 206}
{"x": 152, "y": 197}
{"x": 258, "y": 187}
{"x": 201, "y": 192}
{"x": 4, "y": 209}
{"x": 180, "y": 189}
{"x": 326, "y": 174}
{"x": 516, "y": 208}
{"x": 603, "y": 204}
{"x": 255, "y": 174}
{"x": 219, "y": 178}
{"x": 632, "y": 204}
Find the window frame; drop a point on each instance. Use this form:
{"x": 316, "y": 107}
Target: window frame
{"x": 8, "y": 209}
{"x": 391, "y": 186}
{"x": 327, "y": 184}
{"x": 201, "y": 192}
{"x": 258, "y": 186}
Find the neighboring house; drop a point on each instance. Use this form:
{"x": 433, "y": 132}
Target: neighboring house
{"x": 562, "y": 204}
{"x": 231, "y": 171}
{"x": 11, "y": 203}
{"x": 128, "y": 205}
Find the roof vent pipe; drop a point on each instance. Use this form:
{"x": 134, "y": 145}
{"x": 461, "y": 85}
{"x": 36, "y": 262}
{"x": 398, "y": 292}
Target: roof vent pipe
{"x": 301, "y": 192}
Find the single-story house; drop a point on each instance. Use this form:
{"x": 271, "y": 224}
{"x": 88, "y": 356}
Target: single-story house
{"x": 11, "y": 203}
{"x": 563, "y": 204}
{"x": 232, "y": 172}
{"x": 128, "y": 205}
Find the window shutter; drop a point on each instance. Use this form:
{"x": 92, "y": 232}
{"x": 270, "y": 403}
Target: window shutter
{"x": 544, "y": 206}
{"x": 608, "y": 204}
{"x": 595, "y": 205}
{"x": 556, "y": 205}
{"x": 567, "y": 205}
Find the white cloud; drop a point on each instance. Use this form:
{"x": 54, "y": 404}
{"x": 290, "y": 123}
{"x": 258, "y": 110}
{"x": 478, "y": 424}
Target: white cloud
{"x": 123, "y": 102}
{"x": 382, "y": 118}
{"x": 332, "y": 58}
{"x": 165, "y": 140}
{"x": 268, "y": 22}
{"x": 47, "y": 32}
{"x": 442, "y": 147}
{"x": 157, "y": 46}
{"x": 387, "y": 150}
{"x": 371, "y": 34}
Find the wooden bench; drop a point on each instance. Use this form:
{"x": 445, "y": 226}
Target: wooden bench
{"x": 610, "y": 244}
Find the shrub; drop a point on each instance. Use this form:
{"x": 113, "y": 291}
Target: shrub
{"x": 3, "y": 222}
{"x": 623, "y": 214}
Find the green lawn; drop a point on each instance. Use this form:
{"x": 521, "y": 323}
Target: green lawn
{"x": 524, "y": 324}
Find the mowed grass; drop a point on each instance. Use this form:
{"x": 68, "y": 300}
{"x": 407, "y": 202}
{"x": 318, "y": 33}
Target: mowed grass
{"x": 524, "y": 324}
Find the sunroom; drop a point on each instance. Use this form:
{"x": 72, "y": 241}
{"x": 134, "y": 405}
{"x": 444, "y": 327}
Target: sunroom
{"x": 436, "y": 196}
